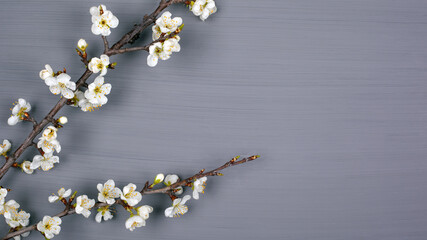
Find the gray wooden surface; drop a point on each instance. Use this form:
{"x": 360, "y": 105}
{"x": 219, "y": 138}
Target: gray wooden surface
{"x": 331, "y": 93}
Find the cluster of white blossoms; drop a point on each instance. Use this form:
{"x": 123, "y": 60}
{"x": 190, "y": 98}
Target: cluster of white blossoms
{"x": 58, "y": 83}
{"x": 108, "y": 193}
{"x": 48, "y": 144}
{"x": 178, "y": 207}
{"x": 20, "y": 108}
{"x": 138, "y": 220}
{"x": 102, "y": 20}
{"x": 13, "y": 217}
{"x": 165, "y": 25}
{"x": 165, "y": 42}
{"x": 203, "y": 8}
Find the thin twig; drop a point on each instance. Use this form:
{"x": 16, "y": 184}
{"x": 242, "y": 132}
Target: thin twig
{"x": 201, "y": 174}
{"x": 143, "y": 48}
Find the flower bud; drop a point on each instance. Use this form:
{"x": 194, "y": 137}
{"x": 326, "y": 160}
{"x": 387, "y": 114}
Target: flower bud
{"x": 63, "y": 120}
{"x": 159, "y": 178}
{"x": 82, "y": 44}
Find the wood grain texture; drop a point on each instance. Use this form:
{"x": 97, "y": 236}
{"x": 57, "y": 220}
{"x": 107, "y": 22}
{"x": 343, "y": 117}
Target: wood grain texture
{"x": 331, "y": 93}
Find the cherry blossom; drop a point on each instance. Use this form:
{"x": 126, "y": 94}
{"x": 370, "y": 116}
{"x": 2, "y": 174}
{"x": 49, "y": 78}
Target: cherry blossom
{"x": 99, "y": 64}
{"x": 131, "y": 195}
{"x": 21, "y": 107}
{"x": 62, "y": 193}
{"x": 84, "y": 204}
{"x": 178, "y": 207}
{"x": 49, "y": 226}
{"x": 108, "y": 192}
{"x": 203, "y": 8}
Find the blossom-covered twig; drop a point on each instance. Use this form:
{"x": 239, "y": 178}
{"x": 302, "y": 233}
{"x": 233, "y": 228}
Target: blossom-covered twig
{"x": 103, "y": 27}
{"x": 165, "y": 37}
{"x": 170, "y": 189}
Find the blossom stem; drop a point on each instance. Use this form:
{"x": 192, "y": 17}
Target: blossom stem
{"x": 106, "y": 46}
{"x": 166, "y": 190}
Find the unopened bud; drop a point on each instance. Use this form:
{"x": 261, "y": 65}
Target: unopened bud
{"x": 72, "y": 197}
{"x": 82, "y": 44}
{"x": 63, "y": 120}
{"x": 159, "y": 178}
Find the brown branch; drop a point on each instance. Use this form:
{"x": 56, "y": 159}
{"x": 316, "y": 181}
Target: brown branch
{"x": 106, "y": 47}
{"x": 201, "y": 174}
{"x": 166, "y": 190}
{"x": 112, "y": 52}
{"x": 127, "y": 38}
{"x": 132, "y": 35}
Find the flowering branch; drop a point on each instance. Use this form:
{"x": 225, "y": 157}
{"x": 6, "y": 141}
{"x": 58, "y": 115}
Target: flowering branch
{"x": 165, "y": 32}
{"x": 170, "y": 190}
{"x": 129, "y": 37}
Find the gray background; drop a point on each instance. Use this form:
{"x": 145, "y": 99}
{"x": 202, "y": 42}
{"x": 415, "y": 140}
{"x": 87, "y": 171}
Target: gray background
{"x": 331, "y": 93}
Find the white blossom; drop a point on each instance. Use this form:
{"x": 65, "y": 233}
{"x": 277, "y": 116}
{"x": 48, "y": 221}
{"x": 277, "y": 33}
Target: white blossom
{"x": 49, "y": 226}
{"x": 144, "y": 211}
{"x": 47, "y": 72}
{"x": 171, "y": 45}
{"x": 62, "y": 193}
{"x": 99, "y": 64}
{"x": 108, "y": 192}
{"x": 49, "y": 133}
{"x": 3, "y": 194}
{"x": 17, "y": 219}
{"x": 49, "y": 146}
{"x": 18, "y": 111}
{"x": 178, "y": 207}
{"x": 26, "y": 167}
{"x": 46, "y": 162}
{"x": 162, "y": 50}
{"x": 103, "y": 20}
{"x": 79, "y": 100}
{"x": 82, "y": 44}
{"x": 96, "y": 92}
{"x": 199, "y": 187}
{"x": 203, "y": 8}
{"x": 84, "y": 204}
{"x": 131, "y": 195}
{"x": 134, "y": 222}
{"x": 97, "y": 11}
{"x": 165, "y": 25}
{"x": 171, "y": 179}
{"x": 5, "y": 147}
{"x": 61, "y": 84}
{"x": 156, "y": 51}
{"x": 8, "y": 208}
{"x": 103, "y": 212}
